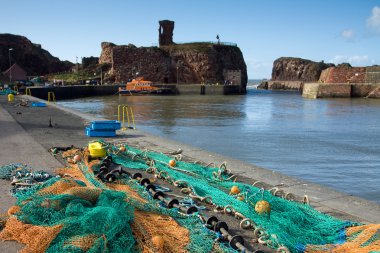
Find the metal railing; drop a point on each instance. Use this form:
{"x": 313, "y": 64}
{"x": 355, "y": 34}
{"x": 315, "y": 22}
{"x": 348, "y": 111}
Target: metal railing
{"x": 125, "y": 111}
{"x": 224, "y": 43}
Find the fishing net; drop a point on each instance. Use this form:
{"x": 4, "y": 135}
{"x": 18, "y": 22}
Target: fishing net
{"x": 78, "y": 212}
{"x": 360, "y": 239}
{"x": 7, "y": 91}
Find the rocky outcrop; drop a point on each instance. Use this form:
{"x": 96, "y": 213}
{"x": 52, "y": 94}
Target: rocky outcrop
{"x": 31, "y": 57}
{"x": 297, "y": 69}
{"x": 182, "y": 63}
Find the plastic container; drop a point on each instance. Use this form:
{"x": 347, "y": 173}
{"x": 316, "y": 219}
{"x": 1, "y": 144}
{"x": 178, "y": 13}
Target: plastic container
{"x": 96, "y": 149}
{"x": 11, "y": 97}
{"x": 38, "y": 104}
{"x": 105, "y": 125}
{"x": 100, "y": 133}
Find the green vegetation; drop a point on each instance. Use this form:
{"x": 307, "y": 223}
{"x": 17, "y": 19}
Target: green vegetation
{"x": 196, "y": 46}
{"x": 71, "y": 77}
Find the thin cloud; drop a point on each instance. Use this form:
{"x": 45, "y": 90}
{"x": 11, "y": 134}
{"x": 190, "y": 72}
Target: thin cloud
{"x": 348, "y": 34}
{"x": 373, "y": 22}
{"x": 355, "y": 60}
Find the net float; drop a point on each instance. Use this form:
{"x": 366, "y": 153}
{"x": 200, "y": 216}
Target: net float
{"x": 235, "y": 190}
{"x": 262, "y": 207}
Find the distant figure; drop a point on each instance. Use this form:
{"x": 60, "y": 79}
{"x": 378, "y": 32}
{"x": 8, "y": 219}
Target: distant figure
{"x": 217, "y": 37}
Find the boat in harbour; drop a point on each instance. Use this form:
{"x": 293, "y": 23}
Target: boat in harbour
{"x": 139, "y": 86}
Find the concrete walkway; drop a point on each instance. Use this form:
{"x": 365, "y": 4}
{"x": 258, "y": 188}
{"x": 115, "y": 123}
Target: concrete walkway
{"x": 17, "y": 146}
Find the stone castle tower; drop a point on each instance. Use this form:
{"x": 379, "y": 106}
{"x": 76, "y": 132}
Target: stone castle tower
{"x": 165, "y": 32}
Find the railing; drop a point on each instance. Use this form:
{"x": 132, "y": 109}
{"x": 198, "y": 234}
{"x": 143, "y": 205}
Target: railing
{"x": 201, "y": 42}
{"x": 125, "y": 111}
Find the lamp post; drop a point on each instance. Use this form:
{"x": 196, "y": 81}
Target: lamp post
{"x": 10, "y": 65}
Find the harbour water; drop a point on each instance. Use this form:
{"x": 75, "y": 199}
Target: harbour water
{"x": 332, "y": 142}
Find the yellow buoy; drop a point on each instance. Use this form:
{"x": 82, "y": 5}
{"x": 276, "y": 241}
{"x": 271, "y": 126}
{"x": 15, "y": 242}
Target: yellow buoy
{"x": 262, "y": 207}
{"x": 122, "y": 149}
{"x": 11, "y": 97}
{"x": 158, "y": 242}
{"x": 235, "y": 190}
{"x": 96, "y": 149}
{"x": 172, "y": 163}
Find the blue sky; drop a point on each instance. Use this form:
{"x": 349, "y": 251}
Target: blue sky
{"x": 334, "y": 31}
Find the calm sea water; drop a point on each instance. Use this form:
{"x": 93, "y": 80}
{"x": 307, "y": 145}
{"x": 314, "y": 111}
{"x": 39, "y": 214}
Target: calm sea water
{"x": 333, "y": 142}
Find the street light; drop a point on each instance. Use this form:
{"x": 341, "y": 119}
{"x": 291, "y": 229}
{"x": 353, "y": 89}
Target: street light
{"x": 10, "y": 69}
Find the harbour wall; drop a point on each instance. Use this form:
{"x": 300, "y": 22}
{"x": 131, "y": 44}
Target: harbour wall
{"x": 281, "y": 85}
{"x": 199, "y": 89}
{"x": 71, "y": 92}
{"x": 77, "y": 91}
{"x": 340, "y": 90}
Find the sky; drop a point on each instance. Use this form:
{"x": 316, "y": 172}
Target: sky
{"x": 334, "y": 31}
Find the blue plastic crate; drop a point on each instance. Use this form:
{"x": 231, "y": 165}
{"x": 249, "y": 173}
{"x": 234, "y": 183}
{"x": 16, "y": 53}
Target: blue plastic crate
{"x": 100, "y": 133}
{"x": 38, "y": 104}
{"x": 105, "y": 124}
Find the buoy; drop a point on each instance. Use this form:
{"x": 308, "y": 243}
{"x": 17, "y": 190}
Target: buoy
{"x": 122, "y": 149}
{"x": 77, "y": 158}
{"x": 235, "y": 190}
{"x": 172, "y": 163}
{"x": 11, "y": 97}
{"x": 262, "y": 206}
{"x": 158, "y": 242}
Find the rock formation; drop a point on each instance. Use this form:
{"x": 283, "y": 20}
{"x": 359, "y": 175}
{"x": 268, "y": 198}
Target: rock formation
{"x": 174, "y": 63}
{"x": 183, "y": 63}
{"x": 31, "y": 57}
{"x": 297, "y": 69}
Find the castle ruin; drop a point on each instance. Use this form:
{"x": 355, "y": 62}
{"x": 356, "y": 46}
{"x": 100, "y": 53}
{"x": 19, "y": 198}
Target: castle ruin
{"x": 165, "y": 32}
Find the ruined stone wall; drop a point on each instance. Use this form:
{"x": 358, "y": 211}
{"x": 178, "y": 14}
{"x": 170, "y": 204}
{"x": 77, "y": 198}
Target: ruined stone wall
{"x": 165, "y": 32}
{"x": 131, "y": 62}
{"x": 344, "y": 74}
{"x": 106, "y": 54}
{"x": 183, "y": 64}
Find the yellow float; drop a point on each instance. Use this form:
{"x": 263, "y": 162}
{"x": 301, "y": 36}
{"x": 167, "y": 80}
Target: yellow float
{"x": 172, "y": 163}
{"x": 234, "y": 190}
{"x": 262, "y": 207}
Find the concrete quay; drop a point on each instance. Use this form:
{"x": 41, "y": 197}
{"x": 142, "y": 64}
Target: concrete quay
{"x": 26, "y": 137}
{"x": 77, "y": 91}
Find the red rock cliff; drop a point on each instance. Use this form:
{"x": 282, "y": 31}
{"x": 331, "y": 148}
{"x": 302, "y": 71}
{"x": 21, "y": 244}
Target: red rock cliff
{"x": 182, "y": 63}
{"x": 31, "y": 57}
{"x": 297, "y": 69}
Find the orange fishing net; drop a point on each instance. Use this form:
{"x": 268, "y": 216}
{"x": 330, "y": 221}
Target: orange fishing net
{"x": 159, "y": 232}
{"x": 360, "y": 239}
{"x": 36, "y": 238}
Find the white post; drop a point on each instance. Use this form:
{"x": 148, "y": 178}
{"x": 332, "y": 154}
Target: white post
{"x": 10, "y": 65}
